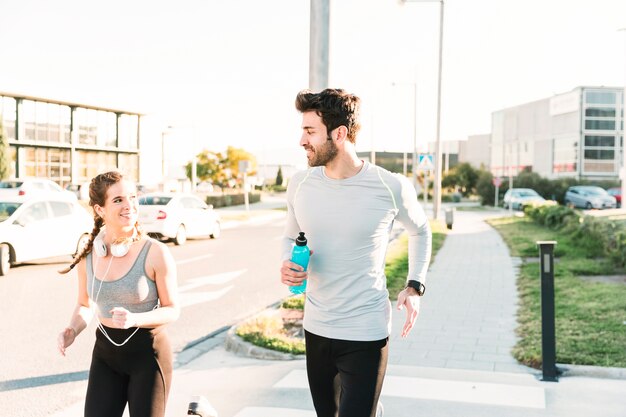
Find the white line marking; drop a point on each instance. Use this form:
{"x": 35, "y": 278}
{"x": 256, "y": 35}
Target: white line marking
{"x": 215, "y": 279}
{"x": 197, "y": 258}
{"x": 189, "y": 299}
{"x": 273, "y": 412}
{"x": 445, "y": 390}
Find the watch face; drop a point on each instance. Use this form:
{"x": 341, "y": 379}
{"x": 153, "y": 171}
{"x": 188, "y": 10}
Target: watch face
{"x": 417, "y": 286}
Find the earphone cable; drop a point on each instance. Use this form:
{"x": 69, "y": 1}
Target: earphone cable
{"x": 95, "y": 301}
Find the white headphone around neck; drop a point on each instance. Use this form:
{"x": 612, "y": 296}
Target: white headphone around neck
{"x": 118, "y": 249}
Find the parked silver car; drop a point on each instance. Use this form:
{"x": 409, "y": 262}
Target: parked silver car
{"x": 518, "y": 198}
{"x": 34, "y": 187}
{"x": 35, "y": 228}
{"x": 177, "y": 216}
{"x": 589, "y": 197}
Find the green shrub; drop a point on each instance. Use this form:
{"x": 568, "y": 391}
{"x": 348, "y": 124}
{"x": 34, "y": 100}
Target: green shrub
{"x": 294, "y": 303}
{"x": 226, "y": 200}
{"x": 267, "y": 331}
{"x": 597, "y": 236}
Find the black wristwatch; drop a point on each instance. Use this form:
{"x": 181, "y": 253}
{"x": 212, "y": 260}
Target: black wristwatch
{"x": 417, "y": 286}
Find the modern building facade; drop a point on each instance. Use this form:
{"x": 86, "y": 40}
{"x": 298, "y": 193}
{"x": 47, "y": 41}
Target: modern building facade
{"x": 475, "y": 151}
{"x": 68, "y": 142}
{"x": 576, "y": 134}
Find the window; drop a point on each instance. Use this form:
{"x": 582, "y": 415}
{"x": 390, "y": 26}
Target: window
{"x": 107, "y": 132}
{"x": 600, "y": 112}
{"x": 86, "y": 126}
{"x": 599, "y": 140}
{"x": 128, "y": 130}
{"x": 599, "y": 154}
{"x": 129, "y": 164}
{"x": 91, "y": 163}
{"x": 600, "y": 124}
{"x": 34, "y": 213}
{"x": 601, "y": 97}
{"x": 60, "y": 209}
{"x": 27, "y": 116}
{"x": 8, "y": 115}
{"x": 48, "y": 163}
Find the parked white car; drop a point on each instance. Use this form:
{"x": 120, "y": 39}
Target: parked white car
{"x": 34, "y": 187}
{"x": 177, "y": 217}
{"x": 518, "y": 198}
{"x": 36, "y": 228}
{"x": 589, "y": 197}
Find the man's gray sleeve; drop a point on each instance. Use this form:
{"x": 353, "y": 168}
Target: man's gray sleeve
{"x": 412, "y": 216}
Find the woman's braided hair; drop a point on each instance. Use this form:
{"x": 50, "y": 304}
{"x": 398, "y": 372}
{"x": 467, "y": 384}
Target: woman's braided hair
{"x": 98, "y": 188}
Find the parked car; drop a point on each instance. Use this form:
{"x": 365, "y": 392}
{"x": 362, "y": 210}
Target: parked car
{"x": 518, "y": 198}
{"x": 589, "y": 197}
{"x": 31, "y": 187}
{"x": 80, "y": 190}
{"x": 35, "y": 228}
{"x": 177, "y": 216}
{"x": 617, "y": 193}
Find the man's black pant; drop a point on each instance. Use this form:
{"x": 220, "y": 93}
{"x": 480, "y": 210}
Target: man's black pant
{"x": 357, "y": 368}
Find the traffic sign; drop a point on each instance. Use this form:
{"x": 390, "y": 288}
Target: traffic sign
{"x": 425, "y": 162}
{"x": 497, "y": 181}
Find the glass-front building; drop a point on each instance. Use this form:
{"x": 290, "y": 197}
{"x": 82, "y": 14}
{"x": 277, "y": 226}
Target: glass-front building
{"x": 68, "y": 142}
{"x": 577, "y": 134}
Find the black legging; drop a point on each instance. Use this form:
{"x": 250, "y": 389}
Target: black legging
{"x": 356, "y": 368}
{"x": 138, "y": 373}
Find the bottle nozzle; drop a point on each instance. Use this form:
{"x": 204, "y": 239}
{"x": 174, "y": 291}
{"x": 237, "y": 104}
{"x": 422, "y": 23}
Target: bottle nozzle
{"x": 301, "y": 240}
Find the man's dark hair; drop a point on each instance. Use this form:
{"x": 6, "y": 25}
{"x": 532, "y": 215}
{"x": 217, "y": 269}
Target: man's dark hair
{"x": 336, "y": 108}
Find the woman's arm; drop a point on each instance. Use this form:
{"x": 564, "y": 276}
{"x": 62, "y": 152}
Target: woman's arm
{"x": 82, "y": 312}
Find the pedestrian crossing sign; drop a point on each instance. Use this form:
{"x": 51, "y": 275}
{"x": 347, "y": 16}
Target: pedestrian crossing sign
{"x": 425, "y": 162}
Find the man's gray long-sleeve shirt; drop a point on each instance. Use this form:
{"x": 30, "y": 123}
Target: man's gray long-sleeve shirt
{"x": 347, "y": 223}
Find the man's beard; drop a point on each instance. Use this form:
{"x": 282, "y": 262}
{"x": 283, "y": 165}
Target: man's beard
{"x": 323, "y": 155}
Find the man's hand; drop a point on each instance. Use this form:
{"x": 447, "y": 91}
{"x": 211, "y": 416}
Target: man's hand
{"x": 292, "y": 274}
{"x": 409, "y": 299}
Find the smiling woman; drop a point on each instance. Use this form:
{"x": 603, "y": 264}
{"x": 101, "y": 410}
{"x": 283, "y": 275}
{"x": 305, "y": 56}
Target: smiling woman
{"x": 131, "y": 282}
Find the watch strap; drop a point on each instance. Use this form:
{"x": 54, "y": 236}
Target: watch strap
{"x": 417, "y": 286}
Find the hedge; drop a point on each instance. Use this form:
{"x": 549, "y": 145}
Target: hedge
{"x": 226, "y": 200}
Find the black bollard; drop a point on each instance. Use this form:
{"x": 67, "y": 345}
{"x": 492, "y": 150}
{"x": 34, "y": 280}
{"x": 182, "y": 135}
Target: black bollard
{"x": 548, "y": 334}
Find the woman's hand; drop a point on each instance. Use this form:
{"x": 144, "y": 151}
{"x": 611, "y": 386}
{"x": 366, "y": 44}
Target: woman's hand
{"x": 65, "y": 339}
{"x": 122, "y": 318}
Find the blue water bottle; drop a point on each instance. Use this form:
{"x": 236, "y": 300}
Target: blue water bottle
{"x": 300, "y": 255}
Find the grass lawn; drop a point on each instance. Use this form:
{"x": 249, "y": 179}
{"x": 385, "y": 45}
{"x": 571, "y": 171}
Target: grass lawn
{"x": 397, "y": 267}
{"x": 590, "y": 316}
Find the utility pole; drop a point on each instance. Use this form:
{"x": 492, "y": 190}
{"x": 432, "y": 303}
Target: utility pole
{"x": 318, "y": 44}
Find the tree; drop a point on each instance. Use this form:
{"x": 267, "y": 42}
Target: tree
{"x": 234, "y": 155}
{"x": 4, "y": 154}
{"x": 279, "y": 176}
{"x": 463, "y": 176}
{"x": 210, "y": 166}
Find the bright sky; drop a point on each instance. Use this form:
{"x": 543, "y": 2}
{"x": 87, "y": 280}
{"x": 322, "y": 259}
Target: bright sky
{"x": 231, "y": 69}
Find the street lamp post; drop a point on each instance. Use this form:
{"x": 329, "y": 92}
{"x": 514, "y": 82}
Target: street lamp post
{"x": 414, "y": 162}
{"x": 438, "y": 170}
{"x": 164, "y": 168}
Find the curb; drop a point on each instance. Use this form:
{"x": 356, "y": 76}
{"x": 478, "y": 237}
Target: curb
{"x": 199, "y": 347}
{"x": 237, "y": 345}
{"x": 591, "y": 371}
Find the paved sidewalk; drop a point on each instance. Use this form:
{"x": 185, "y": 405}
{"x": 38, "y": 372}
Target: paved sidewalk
{"x": 468, "y": 312}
